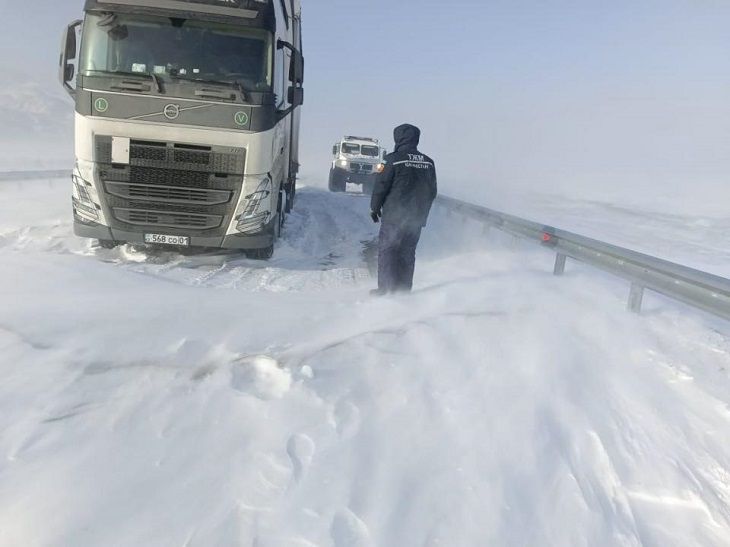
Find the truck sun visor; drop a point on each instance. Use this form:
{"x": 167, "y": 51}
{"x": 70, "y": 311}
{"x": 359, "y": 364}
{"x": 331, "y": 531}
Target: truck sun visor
{"x": 232, "y": 8}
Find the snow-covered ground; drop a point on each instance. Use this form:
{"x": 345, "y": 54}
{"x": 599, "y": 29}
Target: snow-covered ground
{"x": 152, "y": 399}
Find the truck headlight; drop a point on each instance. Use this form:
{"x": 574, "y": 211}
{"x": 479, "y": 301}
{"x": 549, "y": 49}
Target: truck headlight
{"x": 255, "y": 208}
{"x": 342, "y": 163}
{"x": 84, "y": 207}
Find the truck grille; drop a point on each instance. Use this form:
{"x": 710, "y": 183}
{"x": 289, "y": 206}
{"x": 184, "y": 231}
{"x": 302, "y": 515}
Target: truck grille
{"x": 167, "y": 220}
{"x": 184, "y": 157}
{"x": 171, "y": 194}
{"x": 187, "y": 189}
{"x": 151, "y": 153}
{"x": 361, "y": 167}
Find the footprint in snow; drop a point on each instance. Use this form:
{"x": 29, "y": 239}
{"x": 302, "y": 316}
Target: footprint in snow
{"x": 347, "y": 419}
{"x": 348, "y": 530}
{"x": 260, "y": 376}
{"x": 301, "y": 450}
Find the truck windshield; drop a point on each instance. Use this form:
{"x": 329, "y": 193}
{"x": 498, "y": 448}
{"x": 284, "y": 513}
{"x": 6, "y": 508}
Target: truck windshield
{"x": 372, "y": 151}
{"x": 348, "y": 148}
{"x": 170, "y": 47}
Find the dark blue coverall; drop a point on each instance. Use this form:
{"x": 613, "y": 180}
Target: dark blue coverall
{"x": 403, "y": 195}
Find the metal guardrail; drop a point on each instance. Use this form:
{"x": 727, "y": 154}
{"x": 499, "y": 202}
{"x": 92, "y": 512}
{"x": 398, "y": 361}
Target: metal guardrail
{"x": 30, "y": 175}
{"x": 696, "y": 288}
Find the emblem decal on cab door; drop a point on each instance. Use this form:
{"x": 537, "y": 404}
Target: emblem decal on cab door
{"x": 101, "y": 105}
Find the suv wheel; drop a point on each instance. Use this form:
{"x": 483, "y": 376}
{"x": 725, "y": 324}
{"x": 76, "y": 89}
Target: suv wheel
{"x": 336, "y": 184}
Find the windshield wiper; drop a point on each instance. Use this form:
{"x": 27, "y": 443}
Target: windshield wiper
{"x": 154, "y": 77}
{"x": 238, "y": 86}
{"x": 157, "y": 80}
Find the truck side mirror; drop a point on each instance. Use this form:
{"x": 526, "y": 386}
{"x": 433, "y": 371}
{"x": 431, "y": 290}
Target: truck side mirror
{"x": 70, "y": 73}
{"x": 67, "y": 71}
{"x": 70, "y": 40}
{"x": 334, "y": 150}
{"x": 296, "y": 96}
{"x": 296, "y": 66}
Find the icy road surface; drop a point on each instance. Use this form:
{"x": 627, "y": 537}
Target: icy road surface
{"x": 152, "y": 399}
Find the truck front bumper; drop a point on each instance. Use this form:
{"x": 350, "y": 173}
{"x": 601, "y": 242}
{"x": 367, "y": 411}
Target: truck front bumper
{"x": 244, "y": 242}
{"x": 354, "y": 178}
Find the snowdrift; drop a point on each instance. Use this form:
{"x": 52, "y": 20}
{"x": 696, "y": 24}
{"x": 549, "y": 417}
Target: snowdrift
{"x": 154, "y": 399}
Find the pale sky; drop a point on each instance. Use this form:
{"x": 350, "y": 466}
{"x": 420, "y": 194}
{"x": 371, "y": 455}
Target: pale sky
{"x": 509, "y": 94}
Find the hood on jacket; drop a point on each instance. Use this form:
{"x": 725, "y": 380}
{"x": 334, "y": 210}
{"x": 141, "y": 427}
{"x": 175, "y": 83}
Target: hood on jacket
{"x": 406, "y": 137}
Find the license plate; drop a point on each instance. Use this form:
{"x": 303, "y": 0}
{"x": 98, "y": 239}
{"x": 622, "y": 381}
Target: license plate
{"x": 160, "y": 239}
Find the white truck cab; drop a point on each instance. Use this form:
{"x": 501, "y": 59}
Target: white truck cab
{"x": 187, "y": 120}
{"x": 355, "y": 161}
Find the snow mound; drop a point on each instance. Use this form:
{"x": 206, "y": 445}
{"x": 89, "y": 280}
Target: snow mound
{"x": 262, "y": 376}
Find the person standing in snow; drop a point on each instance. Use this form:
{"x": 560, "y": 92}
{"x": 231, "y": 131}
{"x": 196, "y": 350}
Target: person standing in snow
{"x": 404, "y": 193}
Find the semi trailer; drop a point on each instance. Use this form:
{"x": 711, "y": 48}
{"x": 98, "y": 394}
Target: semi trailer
{"x": 187, "y": 118}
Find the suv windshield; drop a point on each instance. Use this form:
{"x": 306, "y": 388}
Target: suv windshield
{"x": 348, "y": 148}
{"x": 372, "y": 151}
{"x": 170, "y": 47}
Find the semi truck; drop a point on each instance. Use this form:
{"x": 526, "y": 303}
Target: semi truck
{"x": 355, "y": 161}
{"x": 187, "y": 118}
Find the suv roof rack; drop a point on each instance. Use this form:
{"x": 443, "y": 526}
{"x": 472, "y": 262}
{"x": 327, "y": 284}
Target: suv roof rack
{"x": 367, "y": 139}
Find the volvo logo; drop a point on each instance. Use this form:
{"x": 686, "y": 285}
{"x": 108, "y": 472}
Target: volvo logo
{"x": 172, "y": 111}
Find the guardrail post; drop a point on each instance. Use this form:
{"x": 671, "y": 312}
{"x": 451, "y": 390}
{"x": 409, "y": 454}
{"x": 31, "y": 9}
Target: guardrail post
{"x": 559, "y": 264}
{"x": 636, "y": 297}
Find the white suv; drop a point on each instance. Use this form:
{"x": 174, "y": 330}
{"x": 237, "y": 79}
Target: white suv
{"x": 355, "y": 161}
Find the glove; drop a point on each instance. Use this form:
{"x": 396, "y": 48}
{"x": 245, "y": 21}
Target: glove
{"x": 375, "y": 215}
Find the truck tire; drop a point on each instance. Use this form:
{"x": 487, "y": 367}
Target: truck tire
{"x": 108, "y": 244}
{"x": 290, "y": 196}
{"x": 278, "y": 225}
{"x": 281, "y": 208}
{"x": 368, "y": 187}
{"x": 336, "y": 184}
{"x": 261, "y": 254}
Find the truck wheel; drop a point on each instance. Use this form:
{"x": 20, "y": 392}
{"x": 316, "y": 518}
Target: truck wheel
{"x": 290, "y": 196}
{"x": 108, "y": 244}
{"x": 368, "y": 187}
{"x": 261, "y": 254}
{"x": 336, "y": 184}
{"x": 280, "y": 213}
